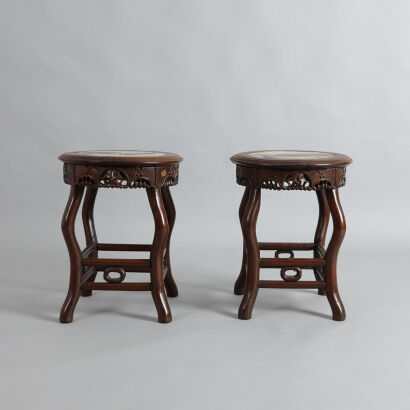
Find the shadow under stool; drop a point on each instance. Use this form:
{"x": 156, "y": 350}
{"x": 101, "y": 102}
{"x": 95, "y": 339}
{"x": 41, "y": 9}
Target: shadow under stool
{"x": 91, "y": 170}
{"x": 322, "y": 172}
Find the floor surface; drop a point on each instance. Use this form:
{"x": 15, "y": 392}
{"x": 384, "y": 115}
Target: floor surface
{"x": 290, "y": 355}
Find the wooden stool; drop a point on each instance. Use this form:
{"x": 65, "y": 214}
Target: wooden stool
{"x": 154, "y": 171}
{"x": 323, "y": 172}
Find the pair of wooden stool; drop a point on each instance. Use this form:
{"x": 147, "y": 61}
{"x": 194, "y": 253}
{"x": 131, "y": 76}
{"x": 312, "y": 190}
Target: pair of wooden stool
{"x": 322, "y": 172}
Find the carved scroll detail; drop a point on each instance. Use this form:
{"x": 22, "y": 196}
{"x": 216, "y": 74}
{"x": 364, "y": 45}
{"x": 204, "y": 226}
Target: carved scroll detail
{"x": 291, "y": 278}
{"x": 110, "y": 279}
{"x": 172, "y": 176}
{"x": 306, "y": 180}
{"x": 120, "y": 177}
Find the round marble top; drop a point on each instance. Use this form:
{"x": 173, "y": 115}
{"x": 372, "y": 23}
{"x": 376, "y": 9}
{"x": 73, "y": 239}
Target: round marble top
{"x": 291, "y": 159}
{"x": 120, "y": 157}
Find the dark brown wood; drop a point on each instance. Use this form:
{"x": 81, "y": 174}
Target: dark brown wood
{"x": 124, "y": 247}
{"x": 295, "y": 160}
{"x": 320, "y": 235}
{"x": 321, "y": 251}
{"x": 120, "y": 158}
{"x": 88, "y": 251}
{"x": 131, "y": 265}
{"x": 239, "y": 288}
{"x": 249, "y": 220}
{"x": 133, "y": 286}
{"x": 155, "y": 171}
{"x": 291, "y": 285}
{"x": 286, "y": 246}
{"x": 290, "y": 262}
{"x": 339, "y": 230}
{"x": 157, "y": 253}
{"x": 322, "y": 172}
{"x": 67, "y": 227}
{"x": 89, "y": 231}
{"x": 170, "y": 285}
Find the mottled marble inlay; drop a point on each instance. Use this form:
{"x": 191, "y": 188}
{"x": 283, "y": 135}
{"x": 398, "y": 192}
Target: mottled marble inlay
{"x": 126, "y": 153}
{"x": 291, "y": 155}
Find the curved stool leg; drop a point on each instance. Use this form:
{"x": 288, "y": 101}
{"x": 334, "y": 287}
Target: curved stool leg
{"x": 339, "y": 229}
{"x": 240, "y": 283}
{"x": 157, "y": 254}
{"x": 170, "y": 285}
{"x": 89, "y": 229}
{"x": 249, "y": 220}
{"x": 76, "y": 269}
{"x": 320, "y": 234}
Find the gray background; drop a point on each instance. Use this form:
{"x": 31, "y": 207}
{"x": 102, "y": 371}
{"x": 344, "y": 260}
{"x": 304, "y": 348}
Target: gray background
{"x": 205, "y": 79}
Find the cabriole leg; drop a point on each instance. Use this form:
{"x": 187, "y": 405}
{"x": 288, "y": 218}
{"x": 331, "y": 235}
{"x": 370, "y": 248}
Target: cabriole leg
{"x": 240, "y": 283}
{"x": 170, "y": 285}
{"x": 248, "y": 224}
{"x": 157, "y": 254}
{"x": 89, "y": 230}
{"x": 76, "y": 269}
{"x": 339, "y": 229}
{"x": 320, "y": 235}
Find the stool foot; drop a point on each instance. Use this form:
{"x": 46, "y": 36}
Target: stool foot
{"x": 86, "y": 293}
{"x": 246, "y": 307}
{"x": 321, "y": 292}
{"x": 67, "y": 310}
{"x": 161, "y": 304}
{"x": 338, "y": 310}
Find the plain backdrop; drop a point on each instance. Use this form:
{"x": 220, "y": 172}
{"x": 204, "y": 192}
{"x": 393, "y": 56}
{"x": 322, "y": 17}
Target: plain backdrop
{"x": 205, "y": 79}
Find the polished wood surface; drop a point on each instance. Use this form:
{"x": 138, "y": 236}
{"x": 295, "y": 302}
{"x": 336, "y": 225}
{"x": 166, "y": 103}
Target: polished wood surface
{"x": 249, "y": 219}
{"x": 276, "y": 159}
{"x": 323, "y": 173}
{"x": 155, "y": 172}
{"x": 120, "y": 158}
{"x": 74, "y": 252}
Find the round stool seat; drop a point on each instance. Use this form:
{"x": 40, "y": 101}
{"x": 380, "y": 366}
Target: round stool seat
{"x": 121, "y": 169}
{"x": 291, "y": 159}
{"x": 120, "y": 158}
{"x": 291, "y": 170}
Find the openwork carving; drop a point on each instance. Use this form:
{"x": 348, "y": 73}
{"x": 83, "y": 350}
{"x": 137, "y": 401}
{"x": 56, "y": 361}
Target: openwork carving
{"x": 291, "y": 278}
{"x": 110, "y": 279}
{"x": 288, "y": 180}
{"x": 124, "y": 177}
{"x": 171, "y": 176}
{"x": 240, "y": 179}
{"x": 86, "y": 180}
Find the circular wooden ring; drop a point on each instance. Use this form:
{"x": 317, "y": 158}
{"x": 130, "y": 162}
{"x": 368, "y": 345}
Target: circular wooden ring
{"x": 110, "y": 279}
{"x": 290, "y": 253}
{"x": 292, "y": 278}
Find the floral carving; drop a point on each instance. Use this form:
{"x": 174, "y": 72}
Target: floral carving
{"x": 277, "y": 179}
{"x": 139, "y": 172}
{"x": 171, "y": 177}
{"x": 297, "y": 181}
{"x": 113, "y": 179}
{"x": 120, "y": 177}
{"x": 86, "y": 180}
